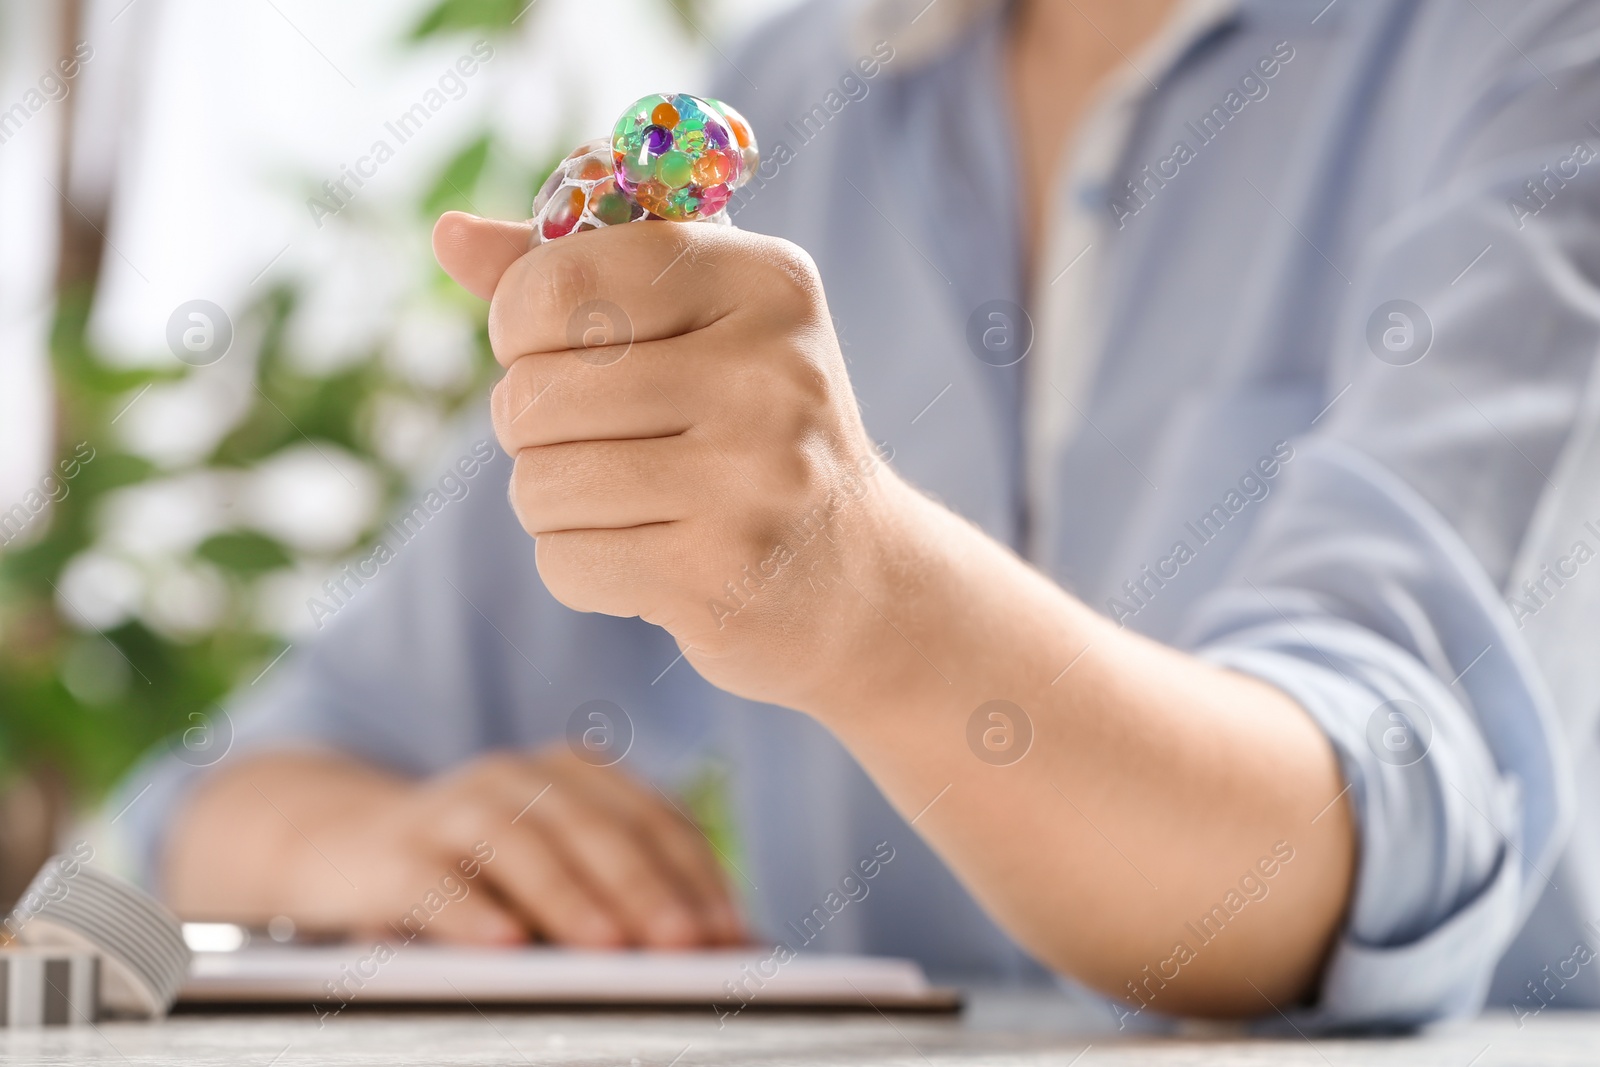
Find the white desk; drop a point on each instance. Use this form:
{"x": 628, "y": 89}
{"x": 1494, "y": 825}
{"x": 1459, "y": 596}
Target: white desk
{"x": 996, "y": 1031}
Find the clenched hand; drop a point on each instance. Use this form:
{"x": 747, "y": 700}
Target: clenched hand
{"x": 687, "y": 445}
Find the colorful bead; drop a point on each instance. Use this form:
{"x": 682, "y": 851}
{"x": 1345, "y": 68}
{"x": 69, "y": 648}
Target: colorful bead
{"x": 675, "y": 170}
{"x": 610, "y": 207}
{"x": 664, "y": 115}
{"x": 714, "y": 199}
{"x": 565, "y": 201}
{"x": 633, "y": 170}
{"x": 711, "y": 169}
{"x": 654, "y": 197}
{"x": 742, "y": 132}
{"x": 745, "y": 137}
{"x": 558, "y": 223}
{"x": 657, "y": 140}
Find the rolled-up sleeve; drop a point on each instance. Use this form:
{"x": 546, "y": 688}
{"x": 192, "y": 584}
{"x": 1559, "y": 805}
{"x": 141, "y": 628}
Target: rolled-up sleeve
{"x": 1376, "y": 589}
{"x": 1366, "y": 608}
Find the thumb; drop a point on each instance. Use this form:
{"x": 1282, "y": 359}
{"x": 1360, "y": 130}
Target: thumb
{"x": 476, "y": 252}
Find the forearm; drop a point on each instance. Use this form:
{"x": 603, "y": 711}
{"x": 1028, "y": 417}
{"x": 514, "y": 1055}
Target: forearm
{"x": 719, "y": 483}
{"x": 261, "y": 838}
{"x": 1154, "y": 781}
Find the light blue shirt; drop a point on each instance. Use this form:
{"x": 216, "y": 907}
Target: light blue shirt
{"x": 1337, "y": 430}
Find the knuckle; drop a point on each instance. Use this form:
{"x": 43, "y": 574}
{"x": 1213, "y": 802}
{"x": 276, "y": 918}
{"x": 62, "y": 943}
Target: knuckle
{"x": 566, "y": 280}
{"x": 507, "y": 311}
{"x": 523, "y": 384}
{"x": 465, "y": 817}
{"x": 793, "y": 475}
{"x": 558, "y": 557}
{"x": 810, "y": 387}
{"x": 794, "y": 276}
{"x": 672, "y": 832}
{"x": 500, "y": 409}
{"x": 524, "y": 495}
{"x": 500, "y": 332}
{"x": 479, "y": 813}
{"x": 549, "y": 476}
{"x": 557, "y": 810}
{"x": 497, "y": 767}
{"x": 646, "y": 886}
{"x": 535, "y": 297}
{"x": 542, "y": 873}
{"x": 796, "y": 260}
{"x": 531, "y": 469}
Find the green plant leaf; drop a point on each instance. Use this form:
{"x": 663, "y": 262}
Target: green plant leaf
{"x": 454, "y": 187}
{"x": 455, "y": 16}
{"x": 244, "y": 552}
{"x": 691, "y": 13}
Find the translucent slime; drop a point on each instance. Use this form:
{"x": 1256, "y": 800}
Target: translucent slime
{"x": 670, "y": 156}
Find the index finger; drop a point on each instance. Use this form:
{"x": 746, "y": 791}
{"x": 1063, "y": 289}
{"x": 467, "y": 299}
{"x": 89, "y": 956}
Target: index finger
{"x": 643, "y": 281}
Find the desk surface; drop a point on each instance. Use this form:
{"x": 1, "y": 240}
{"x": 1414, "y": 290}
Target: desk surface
{"x": 997, "y": 1030}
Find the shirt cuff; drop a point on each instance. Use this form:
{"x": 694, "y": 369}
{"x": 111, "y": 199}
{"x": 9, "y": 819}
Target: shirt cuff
{"x": 1435, "y": 900}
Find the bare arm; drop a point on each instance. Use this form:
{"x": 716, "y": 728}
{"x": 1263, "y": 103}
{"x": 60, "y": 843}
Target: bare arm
{"x": 718, "y": 482}
{"x": 1155, "y": 784}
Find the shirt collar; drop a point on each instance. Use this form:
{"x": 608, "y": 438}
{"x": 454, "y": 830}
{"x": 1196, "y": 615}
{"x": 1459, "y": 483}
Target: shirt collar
{"x": 922, "y": 31}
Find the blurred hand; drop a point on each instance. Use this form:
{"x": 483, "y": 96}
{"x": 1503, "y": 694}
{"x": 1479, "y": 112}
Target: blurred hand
{"x": 712, "y": 476}
{"x": 510, "y": 846}
{"x": 582, "y": 855}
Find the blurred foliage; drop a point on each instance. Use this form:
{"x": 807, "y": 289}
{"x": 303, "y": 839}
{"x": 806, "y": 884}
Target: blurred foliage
{"x": 708, "y": 796}
{"x": 498, "y": 16}
{"x": 462, "y": 174}
{"x": 459, "y": 16}
{"x": 88, "y": 703}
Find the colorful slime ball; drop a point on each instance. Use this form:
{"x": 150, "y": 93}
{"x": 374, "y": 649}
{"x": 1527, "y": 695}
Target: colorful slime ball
{"x": 582, "y": 194}
{"x": 691, "y": 165}
{"x": 679, "y": 156}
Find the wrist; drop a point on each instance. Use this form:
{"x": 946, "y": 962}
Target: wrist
{"x": 942, "y": 618}
{"x": 879, "y": 596}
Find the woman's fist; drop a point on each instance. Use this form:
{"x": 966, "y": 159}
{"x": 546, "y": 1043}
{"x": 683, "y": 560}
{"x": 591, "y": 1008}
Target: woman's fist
{"x": 687, "y": 445}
